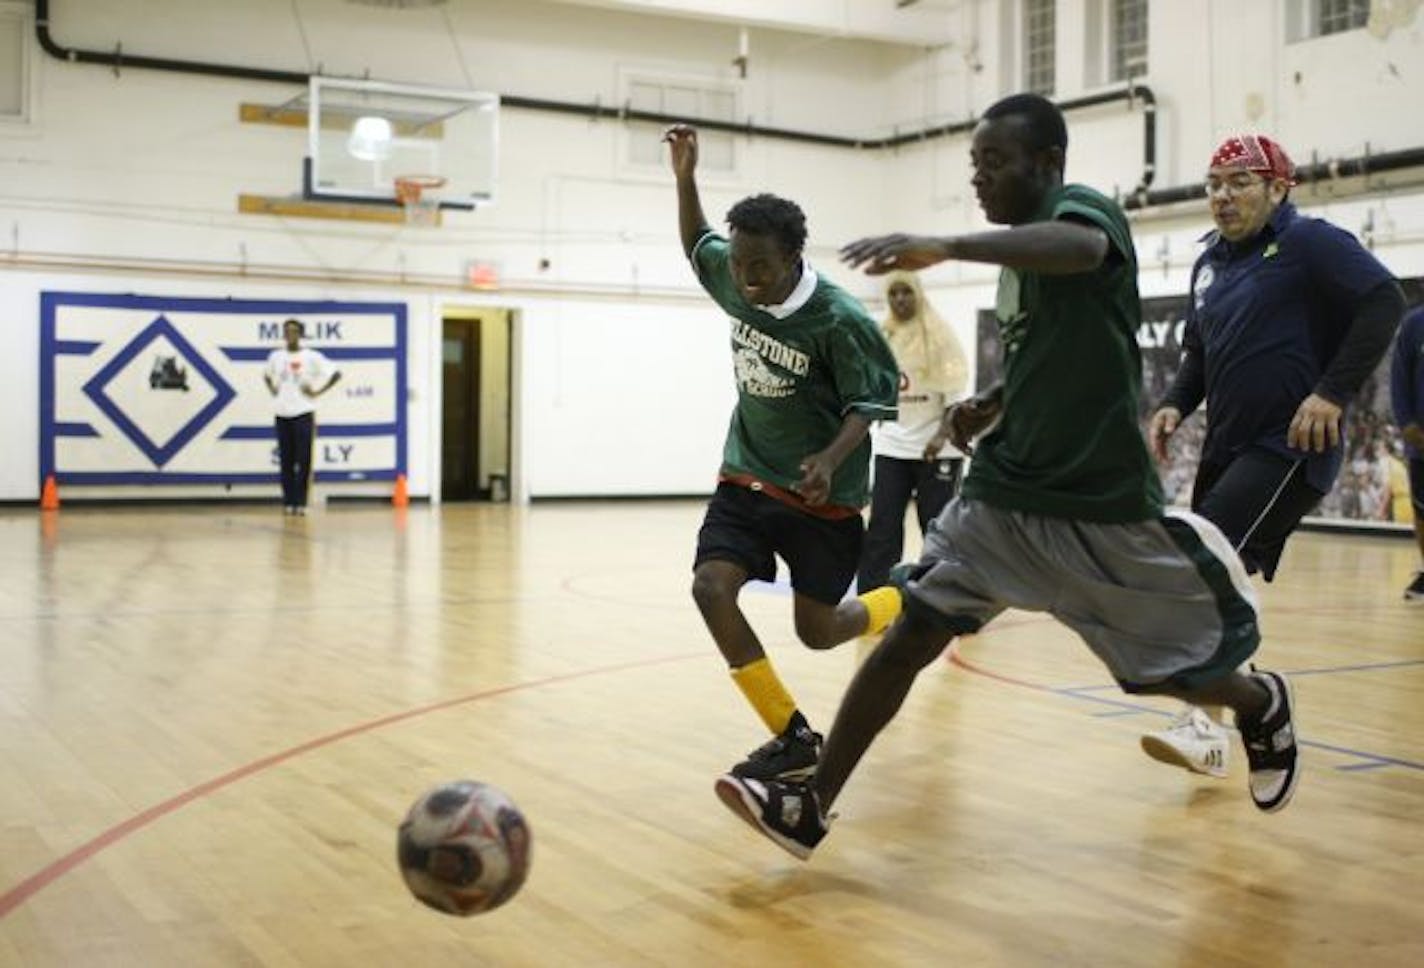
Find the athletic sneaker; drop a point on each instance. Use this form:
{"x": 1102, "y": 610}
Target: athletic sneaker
{"x": 790, "y": 756}
{"x": 787, "y": 813}
{"x": 1271, "y": 747}
{"x": 1415, "y": 591}
{"x": 1192, "y": 741}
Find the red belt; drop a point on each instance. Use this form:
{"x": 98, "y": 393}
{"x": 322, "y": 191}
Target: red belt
{"x": 831, "y": 512}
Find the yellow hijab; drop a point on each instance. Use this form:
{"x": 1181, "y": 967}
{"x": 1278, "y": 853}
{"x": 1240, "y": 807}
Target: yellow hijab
{"x": 924, "y": 345}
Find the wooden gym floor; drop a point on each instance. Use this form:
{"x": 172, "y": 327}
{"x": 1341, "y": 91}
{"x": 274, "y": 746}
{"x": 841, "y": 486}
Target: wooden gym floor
{"x": 212, "y": 719}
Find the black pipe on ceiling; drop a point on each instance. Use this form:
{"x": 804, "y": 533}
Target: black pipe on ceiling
{"x": 1140, "y": 197}
{"x": 1323, "y": 171}
{"x": 118, "y": 60}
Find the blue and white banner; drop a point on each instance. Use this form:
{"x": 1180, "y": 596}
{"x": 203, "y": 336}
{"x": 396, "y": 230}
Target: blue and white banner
{"x": 155, "y": 390}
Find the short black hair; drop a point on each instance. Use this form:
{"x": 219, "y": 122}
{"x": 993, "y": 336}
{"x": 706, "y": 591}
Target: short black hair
{"x": 301, "y": 327}
{"x": 771, "y": 215}
{"x": 1043, "y": 122}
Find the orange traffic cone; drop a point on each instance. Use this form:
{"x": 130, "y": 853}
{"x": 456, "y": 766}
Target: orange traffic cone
{"x": 400, "y": 497}
{"x": 49, "y": 496}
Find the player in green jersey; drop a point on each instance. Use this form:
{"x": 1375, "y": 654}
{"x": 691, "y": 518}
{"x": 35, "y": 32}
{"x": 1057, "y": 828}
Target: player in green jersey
{"x": 1061, "y": 511}
{"x": 812, "y": 372}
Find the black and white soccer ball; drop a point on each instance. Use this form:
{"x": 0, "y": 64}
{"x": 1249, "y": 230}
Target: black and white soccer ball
{"x": 464, "y": 847}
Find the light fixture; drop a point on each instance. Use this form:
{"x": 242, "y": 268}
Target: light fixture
{"x": 370, "y": 139}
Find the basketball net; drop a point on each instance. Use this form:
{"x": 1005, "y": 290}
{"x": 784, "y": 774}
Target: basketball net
{"x": 420, "y": 209}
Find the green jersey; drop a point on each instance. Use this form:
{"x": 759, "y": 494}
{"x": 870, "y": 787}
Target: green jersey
{"x": 1069, "y": 444}
{"x": 801, "y": 368}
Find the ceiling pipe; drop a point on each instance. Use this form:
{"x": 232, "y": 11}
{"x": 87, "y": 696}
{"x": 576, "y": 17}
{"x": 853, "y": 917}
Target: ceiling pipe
{"x": 1324, "y": 171}
{"x": 118, "y": 60}
{"x": 1140, "y": 197}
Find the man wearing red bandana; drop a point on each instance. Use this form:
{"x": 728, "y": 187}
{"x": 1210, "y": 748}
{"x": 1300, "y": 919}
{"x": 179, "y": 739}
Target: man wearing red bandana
{"x": 1288, "y": 317}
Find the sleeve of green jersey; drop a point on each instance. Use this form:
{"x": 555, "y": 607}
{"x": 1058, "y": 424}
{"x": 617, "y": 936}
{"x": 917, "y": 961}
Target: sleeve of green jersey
{"x": 709, "y": 261}
{"x": 866, "y": 374}
{"x": 1080, "y": 203}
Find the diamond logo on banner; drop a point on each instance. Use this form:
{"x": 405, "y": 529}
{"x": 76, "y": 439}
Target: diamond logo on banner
{"x": 163, "y": 403}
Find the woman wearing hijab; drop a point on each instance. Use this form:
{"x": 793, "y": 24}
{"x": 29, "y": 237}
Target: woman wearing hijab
{"x": 933, "y": 374}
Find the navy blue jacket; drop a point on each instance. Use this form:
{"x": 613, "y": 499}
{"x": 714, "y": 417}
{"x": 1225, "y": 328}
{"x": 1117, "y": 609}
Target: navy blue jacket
{"x": 1267, "y": 316}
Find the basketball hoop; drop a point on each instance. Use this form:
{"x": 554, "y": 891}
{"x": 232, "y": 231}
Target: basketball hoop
{"x": 419, "y": 208}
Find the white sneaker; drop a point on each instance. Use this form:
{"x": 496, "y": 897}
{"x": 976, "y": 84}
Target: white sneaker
{"x": 1192, "y": 741}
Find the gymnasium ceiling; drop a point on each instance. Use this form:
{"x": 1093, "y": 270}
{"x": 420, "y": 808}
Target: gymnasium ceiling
{"x": 916, "y": 23}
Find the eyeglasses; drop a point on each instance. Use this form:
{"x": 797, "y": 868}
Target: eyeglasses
{"x": 1232, "y": 185}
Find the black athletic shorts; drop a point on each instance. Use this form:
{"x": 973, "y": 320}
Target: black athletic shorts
{"x": 749, "y": 529}
{"x": 1416, "y": 487}
{"x": 1257, "y": 499}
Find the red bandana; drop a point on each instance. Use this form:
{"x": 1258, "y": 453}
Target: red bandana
{"x": 1255, "y": 152}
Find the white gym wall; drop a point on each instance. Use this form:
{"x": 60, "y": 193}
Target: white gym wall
{"x": 127, "y": 183}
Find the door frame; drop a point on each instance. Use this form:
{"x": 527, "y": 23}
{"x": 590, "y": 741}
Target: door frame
{"x": 464, "y": 310}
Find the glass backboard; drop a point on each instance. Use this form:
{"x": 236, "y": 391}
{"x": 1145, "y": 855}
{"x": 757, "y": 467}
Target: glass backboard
{"x": 363, "y": 136}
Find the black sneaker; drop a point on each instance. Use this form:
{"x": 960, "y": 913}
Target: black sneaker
{"x": 1415, "y": 591}
{"x": 790, "y": 756}
{"x": 1271, "y": 748}
{"x": 787, "y": 813}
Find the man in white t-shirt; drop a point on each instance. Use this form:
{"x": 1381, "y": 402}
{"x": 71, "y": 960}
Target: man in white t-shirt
{"x": 296, "y": 376}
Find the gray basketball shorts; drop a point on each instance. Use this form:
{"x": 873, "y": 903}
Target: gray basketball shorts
{"x": 1163, "y": 603}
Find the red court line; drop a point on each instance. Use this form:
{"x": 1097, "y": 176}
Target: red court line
{"x": 954, "y": 658}
{"x": 41, "y": 879}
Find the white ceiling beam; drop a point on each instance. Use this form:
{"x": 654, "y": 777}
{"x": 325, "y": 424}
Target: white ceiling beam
{"x": 927, "y": 23}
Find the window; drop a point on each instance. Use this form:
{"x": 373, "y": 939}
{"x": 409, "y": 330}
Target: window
{"x": 1038, "y": 46}
{"x": 1317, "y": 18}
{"x": 14, "y": 64}
{"x": 1129, "y": 39}
{"x": 682, "y": 98}
{"x": 1337, "y": 16}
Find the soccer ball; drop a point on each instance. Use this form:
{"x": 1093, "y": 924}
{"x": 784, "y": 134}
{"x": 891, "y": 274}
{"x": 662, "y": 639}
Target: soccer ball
{"x": 463, "y": 848}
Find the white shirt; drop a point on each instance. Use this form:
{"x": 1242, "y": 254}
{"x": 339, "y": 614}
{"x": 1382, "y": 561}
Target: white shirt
{"x": 906, "y": 437}
{"x": 294, "y": 371}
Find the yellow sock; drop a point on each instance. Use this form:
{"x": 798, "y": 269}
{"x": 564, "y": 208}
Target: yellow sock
{"x": 763, "y": 689}
{"x": 882, "y": 606}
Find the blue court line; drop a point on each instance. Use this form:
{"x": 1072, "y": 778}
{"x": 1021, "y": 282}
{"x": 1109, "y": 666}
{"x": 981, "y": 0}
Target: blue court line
{"x": 1370, "y": 760}
{"x": 1122, "y": 708}
{"x": 1369, "y": 667}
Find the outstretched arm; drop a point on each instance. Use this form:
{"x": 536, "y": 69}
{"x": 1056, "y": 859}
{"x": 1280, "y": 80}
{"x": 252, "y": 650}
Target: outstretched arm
{"x": 1060, "y": 247}
{"x": 691, "y": 222}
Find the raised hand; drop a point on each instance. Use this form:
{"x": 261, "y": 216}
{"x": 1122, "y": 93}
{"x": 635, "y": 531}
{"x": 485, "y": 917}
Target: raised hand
{"x": 682, "y": 143}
